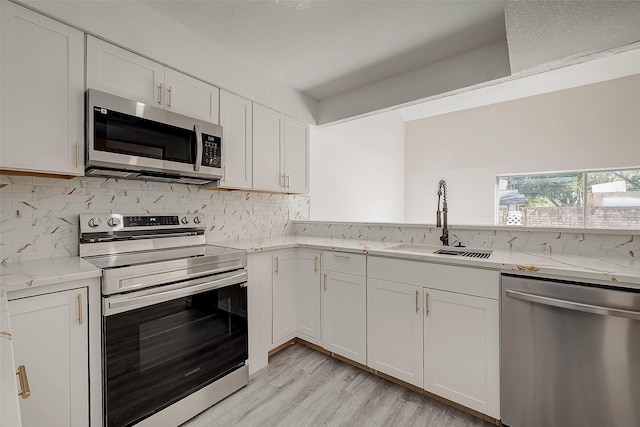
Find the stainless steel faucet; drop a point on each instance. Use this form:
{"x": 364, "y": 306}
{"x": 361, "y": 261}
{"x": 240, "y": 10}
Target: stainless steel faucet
{"x": 441, "y": 219}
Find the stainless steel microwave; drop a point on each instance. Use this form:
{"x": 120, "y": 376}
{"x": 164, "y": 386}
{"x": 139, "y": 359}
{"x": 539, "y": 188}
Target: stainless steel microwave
{"x": 132, "y": 140}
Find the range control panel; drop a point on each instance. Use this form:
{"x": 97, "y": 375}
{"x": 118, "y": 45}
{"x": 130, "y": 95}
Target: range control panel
{"x": 90, "y": 223}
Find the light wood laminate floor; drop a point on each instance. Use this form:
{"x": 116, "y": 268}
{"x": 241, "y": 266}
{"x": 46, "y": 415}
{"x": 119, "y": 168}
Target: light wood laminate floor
{"x": 303, "y": 387}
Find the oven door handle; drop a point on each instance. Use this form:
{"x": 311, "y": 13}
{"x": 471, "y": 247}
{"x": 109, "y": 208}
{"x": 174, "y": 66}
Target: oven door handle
{"x": 573, "y": 305}
{"x": 122, "y": 303}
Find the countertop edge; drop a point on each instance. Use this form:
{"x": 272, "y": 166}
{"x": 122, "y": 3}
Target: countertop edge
{"x": 47, "y": 272}
{"x": 610, "y": 272}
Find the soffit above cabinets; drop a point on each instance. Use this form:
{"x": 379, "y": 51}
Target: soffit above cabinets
{"x": 331, "y": 61}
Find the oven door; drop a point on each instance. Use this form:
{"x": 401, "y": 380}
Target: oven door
{"x": 160, "y": 347}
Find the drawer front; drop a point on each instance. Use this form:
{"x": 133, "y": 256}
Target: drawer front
{"x": 464, "y": 280}
{"x": 343, "y": 262}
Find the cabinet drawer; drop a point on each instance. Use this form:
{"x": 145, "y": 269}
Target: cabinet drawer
{"x": 464, "y": 280}
{"x": 345, "y": 262}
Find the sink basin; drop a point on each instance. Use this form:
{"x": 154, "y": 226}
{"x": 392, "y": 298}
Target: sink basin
{"x": 439, "y": 250}
{"x": 465, "y": 252}
{"x": 412, "y": 247}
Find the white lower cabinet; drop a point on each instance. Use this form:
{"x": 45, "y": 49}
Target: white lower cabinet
{"x": 308, "y": 296}
{"x": 344, "y": 306}
{"x": 284, "y": 296}
{"x": 461, "y": 349}
{"x": 50, "y": 338}
{"x": 459, "y": 311}
{"x": 395, "y": 330}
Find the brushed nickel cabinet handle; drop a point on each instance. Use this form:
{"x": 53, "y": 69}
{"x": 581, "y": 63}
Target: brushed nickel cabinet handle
{"x": 79, "y": 309}
{"x": 160, "y": 94}
{"x": 417, "y": 298}
{"x": 342, "y": 256}
{"x": 315, "y": 264}
{"x": 77, "y": 150}
{"x": 325, "y": 281}
{"x": 287, "y": 180}
{"x": 276, "y": 265}
{"x": 25, "y": 391}
{"x": 426, "y": 303}
{"x": 169, "y": 97}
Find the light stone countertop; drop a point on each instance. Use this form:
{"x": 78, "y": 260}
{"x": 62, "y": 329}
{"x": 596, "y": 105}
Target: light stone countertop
{"x": 612, "y": 271}
{"x": 44, "y": 272}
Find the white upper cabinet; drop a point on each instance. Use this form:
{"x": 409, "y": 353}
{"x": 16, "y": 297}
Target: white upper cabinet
{"x": 191, "y": 97}
{"x": 123, "y": 73}
{"x": 268, "y": 131}
{"x": 280, "y": 152}
{"x": 41, "y": 92}
{"x": 296, "y": 156}
{"x": 236, "y": 119}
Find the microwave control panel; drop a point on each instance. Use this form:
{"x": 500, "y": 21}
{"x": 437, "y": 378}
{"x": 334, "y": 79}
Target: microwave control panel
{"x": 212, "y": 151}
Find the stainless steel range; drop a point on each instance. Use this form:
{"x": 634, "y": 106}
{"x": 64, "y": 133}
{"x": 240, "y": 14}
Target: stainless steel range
{"x": 175, "y": 337}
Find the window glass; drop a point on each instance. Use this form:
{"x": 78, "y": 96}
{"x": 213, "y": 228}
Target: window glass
{"x": 550, "y": 200}
{"x": 613, "y": 199}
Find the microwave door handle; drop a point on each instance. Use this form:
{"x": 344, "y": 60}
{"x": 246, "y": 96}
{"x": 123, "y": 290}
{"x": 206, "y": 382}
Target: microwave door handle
{"x": 196, "y": 167}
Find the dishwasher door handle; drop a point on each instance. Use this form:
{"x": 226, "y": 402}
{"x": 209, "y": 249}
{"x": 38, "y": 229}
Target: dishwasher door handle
{"x": 571, "y": 305}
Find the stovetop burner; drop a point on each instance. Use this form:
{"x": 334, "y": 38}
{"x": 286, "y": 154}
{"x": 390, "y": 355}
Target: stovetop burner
{"x": 132, "y": 259}
{"x": 141, "y": 251}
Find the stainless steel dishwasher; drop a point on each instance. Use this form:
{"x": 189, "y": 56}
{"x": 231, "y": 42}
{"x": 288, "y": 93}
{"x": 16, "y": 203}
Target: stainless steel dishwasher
{"x": 570, "y": 354}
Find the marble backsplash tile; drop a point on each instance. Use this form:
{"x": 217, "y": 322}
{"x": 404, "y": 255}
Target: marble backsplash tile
{"x": 39, "y": 216}
{"x": 623, "y": 245}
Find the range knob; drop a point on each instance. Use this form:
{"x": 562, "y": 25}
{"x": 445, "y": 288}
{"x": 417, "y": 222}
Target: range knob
{"x": 196, "y": 219}
{"x": 94, "y": 222}
{"x": 184, "y": 220}
{"x": 113, "y": 222}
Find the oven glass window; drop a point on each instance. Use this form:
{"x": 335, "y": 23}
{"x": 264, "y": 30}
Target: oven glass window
{"x": 156, "y": 355}
{"x": 125, "y": 134}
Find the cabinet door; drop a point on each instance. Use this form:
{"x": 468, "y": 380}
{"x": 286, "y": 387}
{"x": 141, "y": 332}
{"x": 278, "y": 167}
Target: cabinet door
{"x": 191, "y": 97}
{"x": 284, "y": 296}
{"x": 236, "y": 119}
{"x": 50, "y": 338}
{"x": 394, "y": 330}
{"x": 41, "y": 92}
{"x": 259, "y": 287}
{"x": 120, "y": 72}
{"x": 308, "y": 300}
{"x": 461, "y": 350}
{"x": 344, "y": 315}
{"x": 268, "y": 133}
{"x": 296, "y": 156}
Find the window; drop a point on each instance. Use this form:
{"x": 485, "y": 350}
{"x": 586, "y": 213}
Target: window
{"x": 591, "y": 199}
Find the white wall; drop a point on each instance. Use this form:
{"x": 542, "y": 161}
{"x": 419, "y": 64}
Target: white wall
{"x": 590, "y": 127}
{"x": 357, "y": 170}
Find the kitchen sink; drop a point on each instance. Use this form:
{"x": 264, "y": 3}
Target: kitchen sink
{"x": 439, "y": 250}
{"x": 465, "y": 252}
{"x": 412, "y": 247}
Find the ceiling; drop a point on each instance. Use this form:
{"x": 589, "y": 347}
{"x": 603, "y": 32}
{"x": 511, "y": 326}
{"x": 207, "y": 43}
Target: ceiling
{"x": 333, "y": 47}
